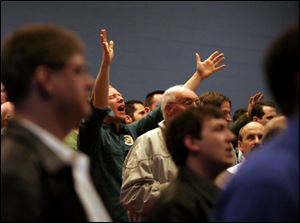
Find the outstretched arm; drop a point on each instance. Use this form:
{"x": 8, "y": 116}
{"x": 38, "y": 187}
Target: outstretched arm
{"x": 100, "y": 90}
{"x": 204, "y": 69}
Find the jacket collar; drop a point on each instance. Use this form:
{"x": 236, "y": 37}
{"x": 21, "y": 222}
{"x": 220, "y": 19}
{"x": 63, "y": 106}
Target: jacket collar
{"x": 39, "y": 150}
{"x": 207, "y": 189}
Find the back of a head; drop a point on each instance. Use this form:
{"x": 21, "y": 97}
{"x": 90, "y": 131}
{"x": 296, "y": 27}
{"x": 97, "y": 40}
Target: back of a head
{"x": 274, "y": 127}
{"x": 238, "y": 113}
{"x": 213, "y": 98}
{"x": 189, "y": 122}
{"x": 281, "y": 69}
{"x": 30, "y": 46}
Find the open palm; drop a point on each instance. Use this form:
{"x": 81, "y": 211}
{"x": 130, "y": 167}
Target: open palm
{"x": 108, "y": 47}
{"x": 210, "y": 65}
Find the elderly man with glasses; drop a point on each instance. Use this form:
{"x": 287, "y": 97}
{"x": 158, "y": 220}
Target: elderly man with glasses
{"x": 149, "y": 167}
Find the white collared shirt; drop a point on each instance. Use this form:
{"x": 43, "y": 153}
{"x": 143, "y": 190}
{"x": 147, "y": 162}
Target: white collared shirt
{"x": 92, "y": 204}
{"x": 234, "y": 169}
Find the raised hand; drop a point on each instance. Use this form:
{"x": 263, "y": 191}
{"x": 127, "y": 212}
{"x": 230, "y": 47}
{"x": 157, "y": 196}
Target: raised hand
{"x": 108, "y": 47}
{"x": 210, "y": 65}
{"x": 101, "y": 86}
{"x": 253, "y": 100}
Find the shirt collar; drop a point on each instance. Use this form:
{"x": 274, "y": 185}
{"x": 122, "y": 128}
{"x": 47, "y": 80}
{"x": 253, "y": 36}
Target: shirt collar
{"x": 54, "y": 144}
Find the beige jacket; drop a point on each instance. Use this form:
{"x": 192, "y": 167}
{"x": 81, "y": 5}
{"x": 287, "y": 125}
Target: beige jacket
{"x": 147, "y": 170}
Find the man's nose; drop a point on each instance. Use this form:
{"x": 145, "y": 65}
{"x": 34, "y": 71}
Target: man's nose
{"x": 257, "y": 140}
{"x": 228, "y": 118}
{"x": 120, "y": 98}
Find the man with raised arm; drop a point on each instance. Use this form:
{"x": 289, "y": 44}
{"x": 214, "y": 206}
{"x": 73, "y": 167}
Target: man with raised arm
{"x": 105, "y": 138}
{"x": 266, "y": 187}
{"x": 148, "y": 168}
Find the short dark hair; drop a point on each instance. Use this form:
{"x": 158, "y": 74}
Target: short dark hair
{"x": 31, "y": 46}
{"x": 129, "y": 107}
{"x": 189, "y": 122}
{"x": 238, "y": 113}
{"x": 213, "y": 98}
{"x": 281, "y": 67}
{"x": 149, "y": 97}
{"x": 258, "y": 108}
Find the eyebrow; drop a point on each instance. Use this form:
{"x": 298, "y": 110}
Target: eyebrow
{"x": 220, "y": 125}
{"x": 115, "y": 94}
{"x": 186, "y": 99}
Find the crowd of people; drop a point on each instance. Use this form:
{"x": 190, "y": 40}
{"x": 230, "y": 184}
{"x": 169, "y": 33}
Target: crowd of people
{"x": 75, "y": 149}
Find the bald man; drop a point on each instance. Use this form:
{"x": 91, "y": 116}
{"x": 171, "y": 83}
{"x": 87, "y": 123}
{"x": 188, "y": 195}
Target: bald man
{"x": 250, "y": 136}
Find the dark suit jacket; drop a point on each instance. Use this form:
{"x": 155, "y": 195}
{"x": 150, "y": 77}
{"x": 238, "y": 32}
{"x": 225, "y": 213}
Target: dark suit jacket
{"x": 36, "y": 185}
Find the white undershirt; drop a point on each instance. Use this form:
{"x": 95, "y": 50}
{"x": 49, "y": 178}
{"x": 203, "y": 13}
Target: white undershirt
{"x": 234, "y": 168}
{"x": 91, "y": 202}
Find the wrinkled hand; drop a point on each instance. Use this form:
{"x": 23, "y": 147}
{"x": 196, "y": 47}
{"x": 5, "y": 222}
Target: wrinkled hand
{"x": 210, "y": 65}
{"x": 253, "y": 100}
{"x": 108, "y": 47}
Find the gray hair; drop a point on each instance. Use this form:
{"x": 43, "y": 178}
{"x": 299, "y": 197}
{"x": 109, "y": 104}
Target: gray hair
{"x": 170, "y": 95}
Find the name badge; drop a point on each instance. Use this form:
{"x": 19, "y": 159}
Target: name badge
{"x": 128, "y": 140}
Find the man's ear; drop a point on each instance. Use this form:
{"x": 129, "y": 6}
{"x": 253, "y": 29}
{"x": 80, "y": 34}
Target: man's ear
{"x": 128, "y": 119}
{"x": 147, "y": 109}
{"x": 191, "y": 143}
{"x": 255, "y": 118}
{"x": 44, "y": 82}
{"x": 168, "y": 110}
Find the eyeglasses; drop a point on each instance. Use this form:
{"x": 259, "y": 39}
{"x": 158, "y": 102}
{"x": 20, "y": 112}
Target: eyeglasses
{"x": 187, "y": 101}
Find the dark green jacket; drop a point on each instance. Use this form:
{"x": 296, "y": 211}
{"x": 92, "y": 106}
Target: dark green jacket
{"x": 107, "y": 150}
{"x": 189, "y": 198}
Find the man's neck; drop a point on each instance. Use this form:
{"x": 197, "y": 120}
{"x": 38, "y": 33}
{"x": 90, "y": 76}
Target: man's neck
{"x": 46, "y": 119}
{"x": 202, "y": 169}
{"x": 112, "y": 121}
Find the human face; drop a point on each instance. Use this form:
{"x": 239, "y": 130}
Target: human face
{"x": 3, "y": 94}
{"x": 252, "y": 135}
{"x": 226, "y": 109}
{"x": 269, "y": 113}
{"x": 72, "y": 86}
{"x": 215, "y": 143}
{"x": 181, "y": 103}
{"x": 117, "y": 104}
{"x": 139, "y": 112}
{"x": 7, "y": 113}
